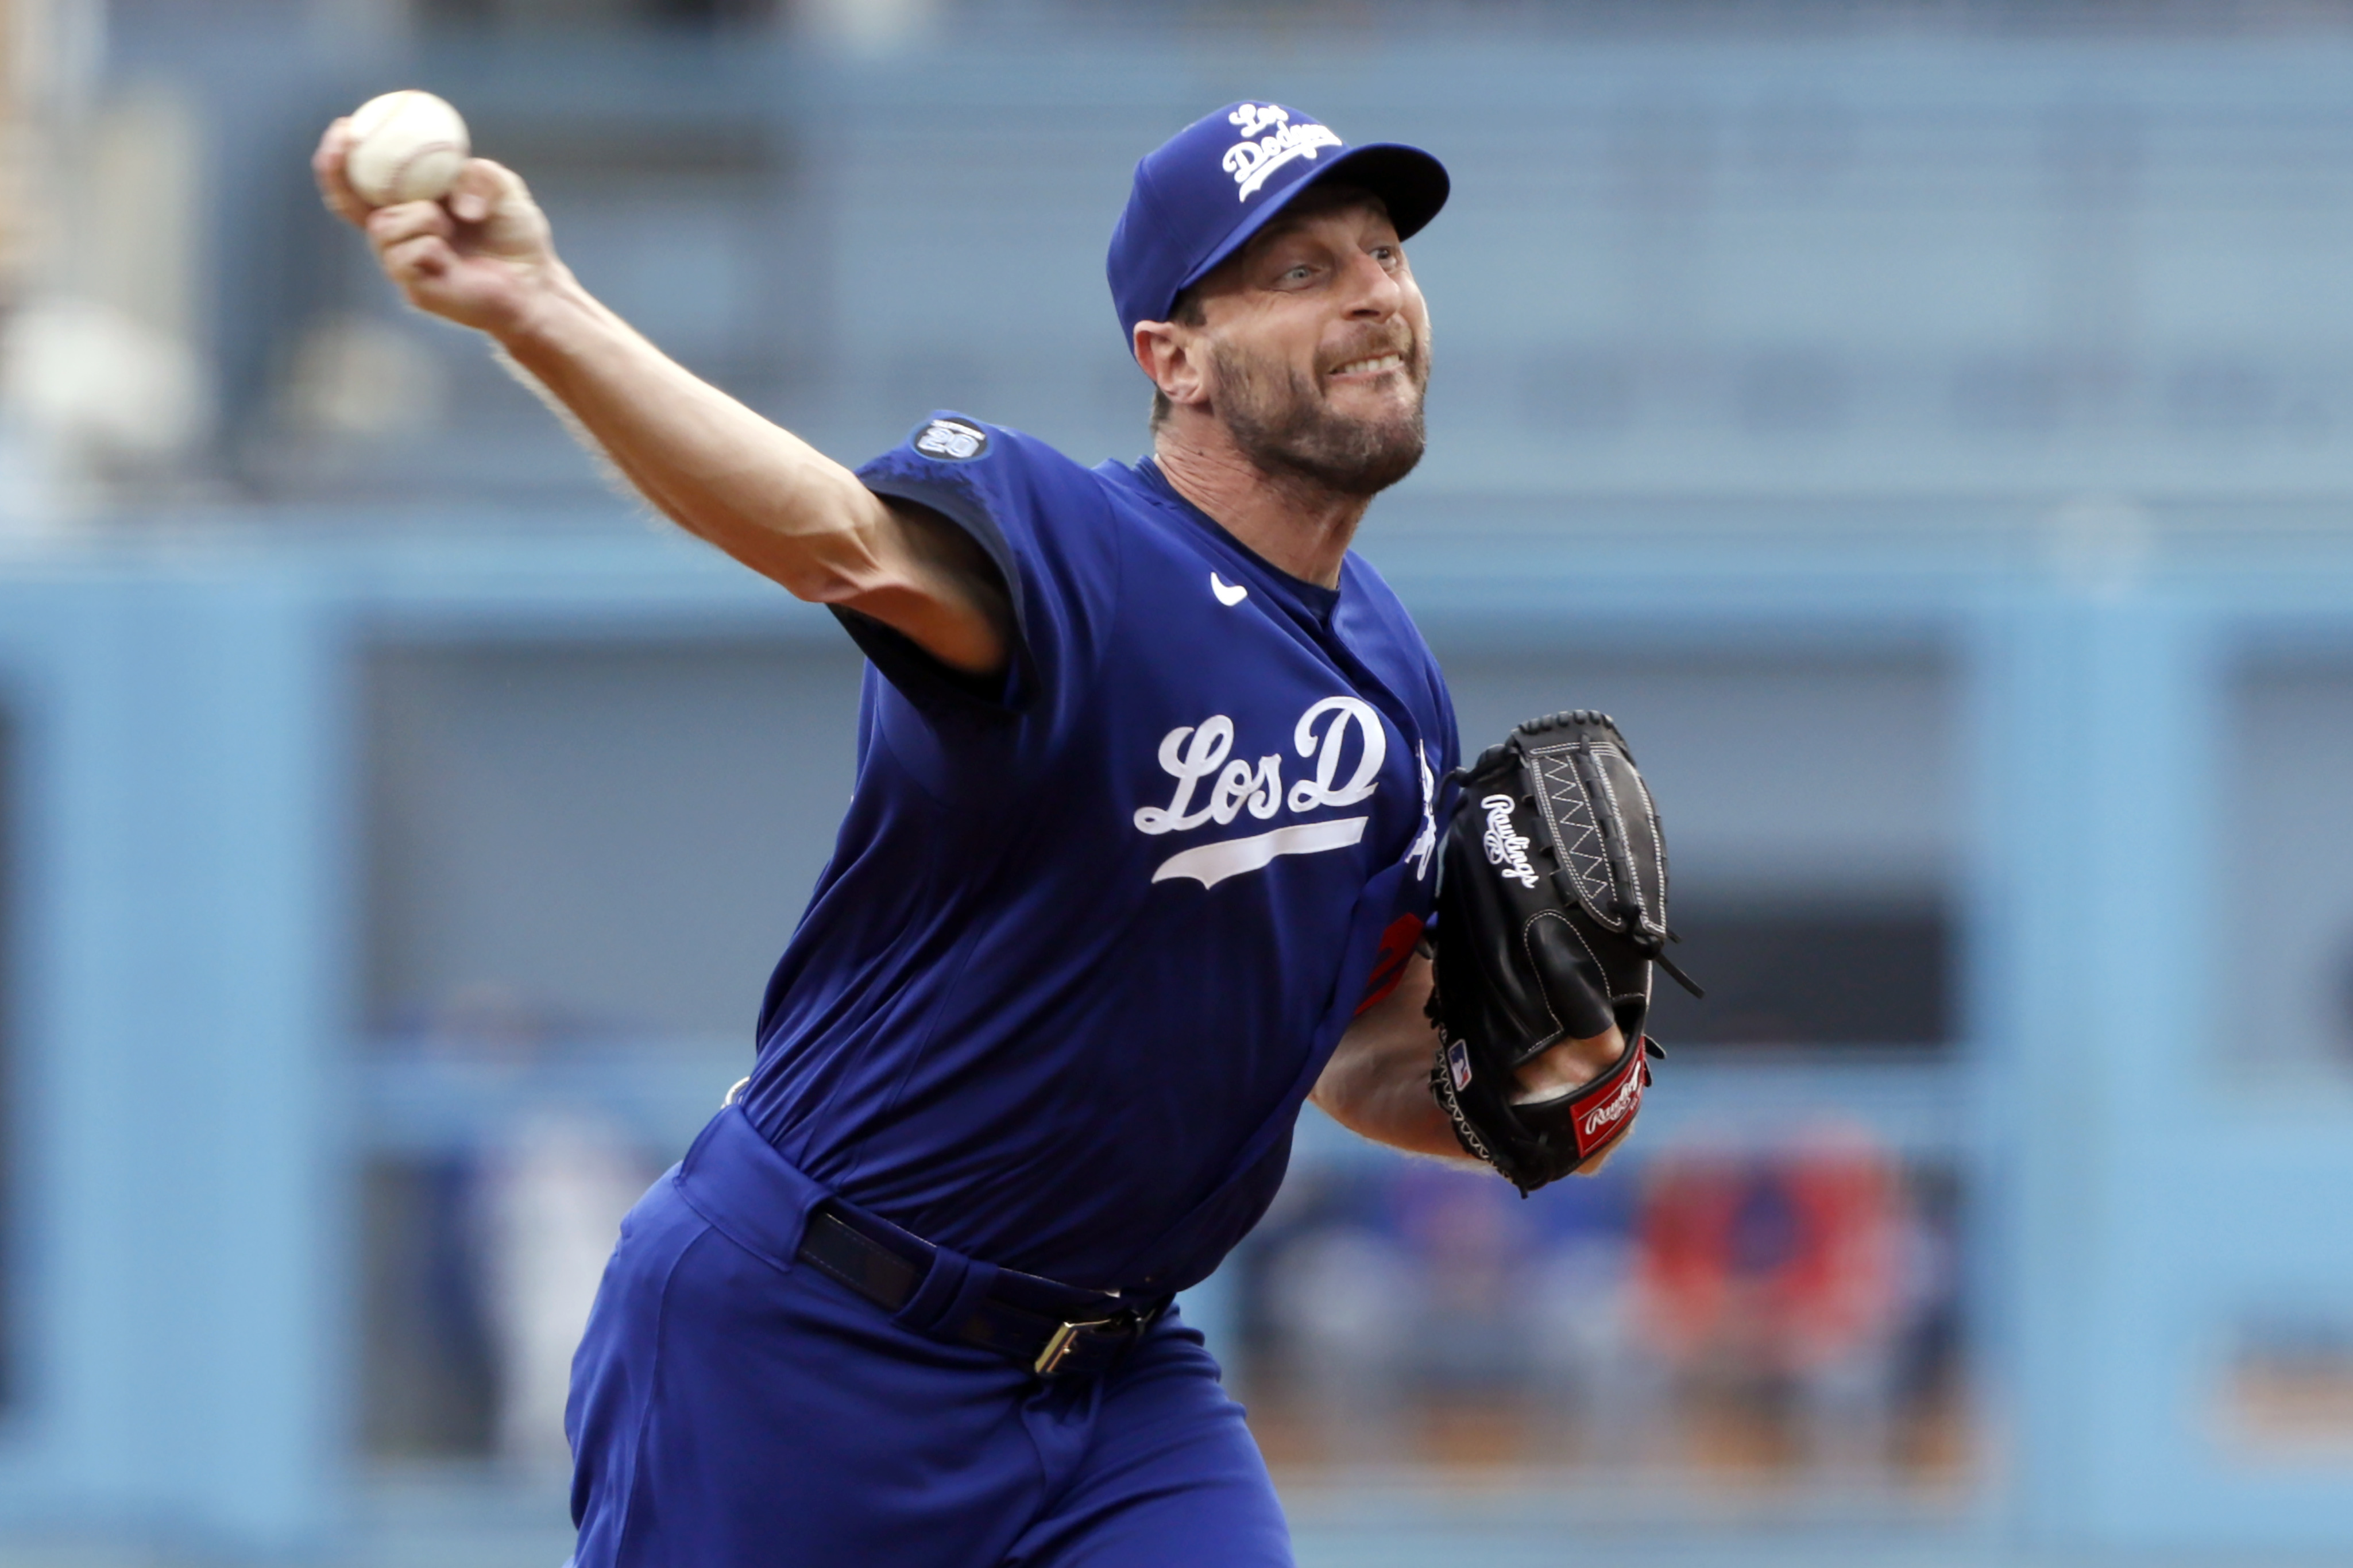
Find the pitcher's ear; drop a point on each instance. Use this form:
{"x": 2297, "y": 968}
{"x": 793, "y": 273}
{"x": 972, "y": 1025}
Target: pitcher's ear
{"x": 1171, "y": 354}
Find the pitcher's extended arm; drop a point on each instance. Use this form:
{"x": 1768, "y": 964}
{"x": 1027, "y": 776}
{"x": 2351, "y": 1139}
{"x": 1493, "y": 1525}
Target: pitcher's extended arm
{"x": 483, "y": 257}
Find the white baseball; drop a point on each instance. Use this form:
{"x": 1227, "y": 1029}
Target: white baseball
{"x": 406, "y": 146}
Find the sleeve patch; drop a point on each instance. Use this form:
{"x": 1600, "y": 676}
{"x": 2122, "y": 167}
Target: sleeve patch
{"x": 952, "y": 441}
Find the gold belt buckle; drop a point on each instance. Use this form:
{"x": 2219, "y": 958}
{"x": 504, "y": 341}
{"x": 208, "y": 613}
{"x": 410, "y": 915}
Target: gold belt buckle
{"x": 1060, "y": 1344}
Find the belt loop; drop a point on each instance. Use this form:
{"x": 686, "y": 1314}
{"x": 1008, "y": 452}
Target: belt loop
{"x": 746, "y": 1189}
{"x": 979, "y": 1279}
{"x": 952, "y": 1286}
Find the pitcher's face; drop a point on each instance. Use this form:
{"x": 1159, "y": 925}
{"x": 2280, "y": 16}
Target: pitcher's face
{"x": 1318, "y": 346}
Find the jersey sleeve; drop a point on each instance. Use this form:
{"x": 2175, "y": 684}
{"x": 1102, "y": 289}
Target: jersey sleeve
{"x": 1045, "y": 523}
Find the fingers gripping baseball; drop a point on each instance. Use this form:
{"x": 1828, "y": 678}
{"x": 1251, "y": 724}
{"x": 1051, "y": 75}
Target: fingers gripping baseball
{"x": 477, "y": 256}
{"x": 327, "y": 168}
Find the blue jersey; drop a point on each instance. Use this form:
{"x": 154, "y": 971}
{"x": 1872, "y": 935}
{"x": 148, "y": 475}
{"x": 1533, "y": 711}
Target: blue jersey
{"x": 1090, "y": 932}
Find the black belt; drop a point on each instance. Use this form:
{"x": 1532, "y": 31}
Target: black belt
{"x": 875, "y": 1267}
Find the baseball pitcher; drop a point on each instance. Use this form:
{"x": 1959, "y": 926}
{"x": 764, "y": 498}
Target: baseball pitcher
{"x": 1155, "y": 783}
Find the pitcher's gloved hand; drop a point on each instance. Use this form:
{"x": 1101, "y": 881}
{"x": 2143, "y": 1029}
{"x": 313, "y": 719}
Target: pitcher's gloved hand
{"x": 1551, "y": 912}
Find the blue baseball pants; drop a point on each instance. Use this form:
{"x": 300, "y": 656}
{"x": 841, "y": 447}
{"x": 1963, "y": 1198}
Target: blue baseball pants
{"x": 732, "y": 1408}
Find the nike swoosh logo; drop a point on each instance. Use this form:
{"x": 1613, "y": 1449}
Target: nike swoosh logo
{"x": 1227, "y": 593}
{"x": 1212, "y": 863}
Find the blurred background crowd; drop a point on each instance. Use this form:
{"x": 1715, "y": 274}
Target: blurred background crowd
{"x": 1927, "y": 424}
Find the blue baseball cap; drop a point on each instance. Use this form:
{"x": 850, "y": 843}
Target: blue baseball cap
{"x": 1199, "y": 196}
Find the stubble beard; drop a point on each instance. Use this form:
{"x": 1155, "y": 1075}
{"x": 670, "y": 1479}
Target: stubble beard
{"x": 1279, "y": 420}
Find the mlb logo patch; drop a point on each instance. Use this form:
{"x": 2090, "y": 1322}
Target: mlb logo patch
{"x": 1458, "y": 1065}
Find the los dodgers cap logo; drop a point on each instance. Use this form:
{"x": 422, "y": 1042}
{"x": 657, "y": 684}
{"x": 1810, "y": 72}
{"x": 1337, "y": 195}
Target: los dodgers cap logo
{"x": 1199, "y": 196}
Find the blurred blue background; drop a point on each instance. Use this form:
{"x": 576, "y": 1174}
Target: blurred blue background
{"x": 1928, "y": 428}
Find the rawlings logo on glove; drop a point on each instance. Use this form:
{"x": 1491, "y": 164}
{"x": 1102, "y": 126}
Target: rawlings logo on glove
{"x": 1505, "y": 847}
{"x": 1552, "y": 910}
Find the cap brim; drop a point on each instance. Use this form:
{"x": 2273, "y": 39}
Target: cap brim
{"x": 1410, "y": 183}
